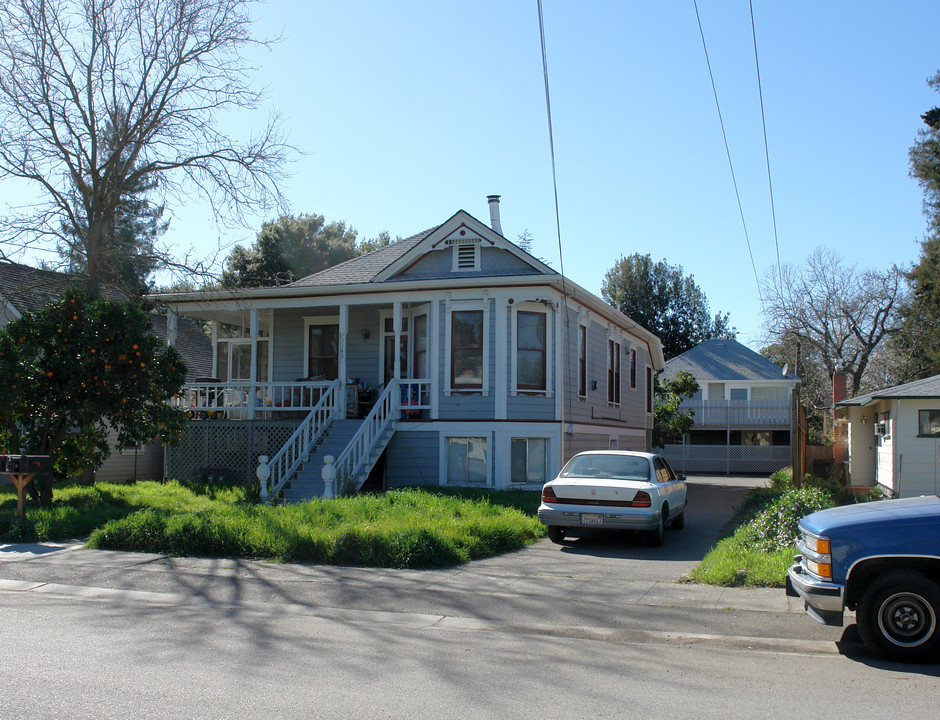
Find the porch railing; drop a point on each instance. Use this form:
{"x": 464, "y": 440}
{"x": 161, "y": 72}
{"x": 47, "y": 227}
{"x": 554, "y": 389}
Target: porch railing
{"x": 242, "y": 399}
{"x": 295, "y": 451}
{"x": 383, "y": 415}
{"x": 722, "y": 413}
{"x": 415, "y": 398}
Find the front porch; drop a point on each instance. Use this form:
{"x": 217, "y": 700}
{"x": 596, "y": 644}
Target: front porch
{"x": 273, "y": 432}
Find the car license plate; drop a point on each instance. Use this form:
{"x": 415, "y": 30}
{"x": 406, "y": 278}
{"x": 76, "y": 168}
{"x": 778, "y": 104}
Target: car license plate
{"x": 592, "y": 519}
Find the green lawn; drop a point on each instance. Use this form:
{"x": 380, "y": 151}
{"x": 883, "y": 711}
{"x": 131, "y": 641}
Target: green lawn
{"x": 411, "y": 528}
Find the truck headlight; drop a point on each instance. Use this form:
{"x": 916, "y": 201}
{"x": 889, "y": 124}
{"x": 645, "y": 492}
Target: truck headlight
{"x": 817, "y": 544}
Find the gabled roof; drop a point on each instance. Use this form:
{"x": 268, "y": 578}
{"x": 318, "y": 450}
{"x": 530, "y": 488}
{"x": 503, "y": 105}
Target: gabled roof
{"x": 925, "y": 388}
{"x": 722, "y": 360}
{"x": 362, "y": 269}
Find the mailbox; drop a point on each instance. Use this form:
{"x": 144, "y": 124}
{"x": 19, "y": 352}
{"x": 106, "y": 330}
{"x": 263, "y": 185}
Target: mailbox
{"x": 26, "y": 464}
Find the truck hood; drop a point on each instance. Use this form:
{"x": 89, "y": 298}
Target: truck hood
{"x": 919, "y": 510}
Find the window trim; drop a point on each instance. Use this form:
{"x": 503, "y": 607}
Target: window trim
{"x": 530, "y": 308}
{"x": 310, "y": 321}
{"x": 920, "y": 413}
{"x": 487, "y": 439}
{"x": 582, "y": 360}
{"x": 546, "y": 460}
{"x": 453, "y": 306}
{"x": 614, "y": 377}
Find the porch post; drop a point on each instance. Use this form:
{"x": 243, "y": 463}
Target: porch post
{"x": 253, "y": 334}
{"x": 171, "y": 326}
{"x": 341, "y": 364}
{"x": 396, "y": 326}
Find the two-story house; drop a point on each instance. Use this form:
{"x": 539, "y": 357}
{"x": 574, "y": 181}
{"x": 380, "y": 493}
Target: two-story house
{"x": 451, "y": 357}
{"x": 742, "y": 410}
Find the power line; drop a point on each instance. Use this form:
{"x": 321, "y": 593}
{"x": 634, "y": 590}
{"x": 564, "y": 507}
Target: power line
{"x": 724, "y": 136}
{"x": 763, "y": 123}
{"x": 551, "y": 144}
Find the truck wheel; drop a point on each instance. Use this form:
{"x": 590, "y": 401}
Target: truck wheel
{"x": 556, "y": 533}
{"x": 898, "y": 616}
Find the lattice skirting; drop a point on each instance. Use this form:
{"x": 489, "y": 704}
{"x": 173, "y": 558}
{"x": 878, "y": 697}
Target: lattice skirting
{"x": 727, "y": 458}
{"x": 232, "y": 446}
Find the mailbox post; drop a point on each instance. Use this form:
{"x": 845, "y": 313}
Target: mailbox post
{"x": 22, "y": 470}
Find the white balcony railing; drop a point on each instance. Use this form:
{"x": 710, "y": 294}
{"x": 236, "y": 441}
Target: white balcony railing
{"x": 246, "y": 400}
{"x": 738, "y": 413}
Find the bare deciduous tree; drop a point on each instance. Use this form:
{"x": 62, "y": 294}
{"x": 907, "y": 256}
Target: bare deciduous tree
{"x": 841, "y": 315}
{"x": 102, "y": 97}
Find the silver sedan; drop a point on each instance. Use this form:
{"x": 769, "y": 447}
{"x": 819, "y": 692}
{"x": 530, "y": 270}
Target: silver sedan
{"x": 614, "y": 490}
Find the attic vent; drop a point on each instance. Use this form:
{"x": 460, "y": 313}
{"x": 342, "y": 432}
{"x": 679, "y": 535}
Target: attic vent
{"x": 466, "y": 256}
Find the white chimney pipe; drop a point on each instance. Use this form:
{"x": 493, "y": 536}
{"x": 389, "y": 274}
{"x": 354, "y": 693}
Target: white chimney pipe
{"x": 493, "y": 200}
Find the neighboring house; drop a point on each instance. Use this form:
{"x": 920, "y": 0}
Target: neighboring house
{"x": 25, "y": 289}
{"x": 742, "y": 410}
{"x": 894, "y": 438}
{"x": 451, "y": 357}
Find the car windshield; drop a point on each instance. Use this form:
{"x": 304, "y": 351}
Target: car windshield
{"x": 618, "y": 467}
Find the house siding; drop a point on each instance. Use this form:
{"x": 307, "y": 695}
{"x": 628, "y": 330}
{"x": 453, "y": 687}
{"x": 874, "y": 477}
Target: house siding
{"x": 919, "y": 457}
{"x": 412, "y": 458}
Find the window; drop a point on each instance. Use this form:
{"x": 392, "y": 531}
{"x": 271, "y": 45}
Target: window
{"x": 233, "y": 354}
{"x": 530, "y": 351}
{"x": 613, "y": 372}
{"x": 769, "y": 394}
{"x": 649, "y": 389}
{"x": 633, "y": 369}
{"x": 738, "y": 393}
{"x": 323, "y": 352}
{"x": 466, "y": 460}
{"x": 582, "y": 361}
{"x": 420, "y": 365}
{"x": 388, "y": 348}
{"x": 663, "y": 471}
{"x": 466, "y": 350}
{"x": 928, "y": 423}
{"x": 528, "y": 461}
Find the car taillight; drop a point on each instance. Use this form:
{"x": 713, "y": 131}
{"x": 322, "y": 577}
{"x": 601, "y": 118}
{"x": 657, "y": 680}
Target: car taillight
{"x": 548, "y": 495}
{"x": 641, "y": 499}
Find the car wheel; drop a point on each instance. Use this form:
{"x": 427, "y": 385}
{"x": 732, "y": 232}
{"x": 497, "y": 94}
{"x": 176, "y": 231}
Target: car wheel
{"x": 556, "y": 533}
{"x": 655, "y": 537}
{"x": 898, "y": 616}
{"x": 679, "y": 521}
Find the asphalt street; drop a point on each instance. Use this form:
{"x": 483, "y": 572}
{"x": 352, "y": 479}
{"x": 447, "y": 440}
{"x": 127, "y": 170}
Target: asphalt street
{"x": 233, "y": 636}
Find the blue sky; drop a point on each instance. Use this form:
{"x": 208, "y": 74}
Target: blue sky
{"x": 409, "y": 111}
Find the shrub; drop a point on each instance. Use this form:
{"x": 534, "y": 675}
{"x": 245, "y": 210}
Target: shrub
{"x": 777, "y": 526}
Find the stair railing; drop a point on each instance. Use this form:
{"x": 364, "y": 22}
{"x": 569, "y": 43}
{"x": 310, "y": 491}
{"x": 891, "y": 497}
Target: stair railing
{"x": 274, "y": 473}
{"x": 350, "y": 463}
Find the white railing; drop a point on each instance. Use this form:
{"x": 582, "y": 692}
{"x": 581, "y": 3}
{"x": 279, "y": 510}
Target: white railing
{"x": 415, "y": 397}
{"x": 376, "y": 423}
{"x": 243, "y": 399}
{"x": 287, "y": 460}
{"x": 723, "y": 413}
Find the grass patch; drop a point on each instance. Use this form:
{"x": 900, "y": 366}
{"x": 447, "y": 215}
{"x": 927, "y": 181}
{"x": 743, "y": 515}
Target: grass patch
{"x": 763, "y": 531}
{"x": 411, "y": 528}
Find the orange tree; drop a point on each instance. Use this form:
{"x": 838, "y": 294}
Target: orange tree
{"x": 78, "y": 368}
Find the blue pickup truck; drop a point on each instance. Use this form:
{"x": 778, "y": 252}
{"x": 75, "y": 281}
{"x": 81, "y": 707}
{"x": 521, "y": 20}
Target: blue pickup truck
{"x": 881, "y": 559}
